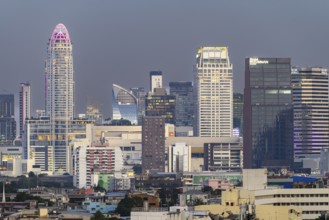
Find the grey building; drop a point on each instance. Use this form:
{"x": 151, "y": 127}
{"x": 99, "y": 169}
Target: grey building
{"x": 311, "y": 111}
{"x": 7, "y": 119}
{"x": 268, "y": 114}
{"x": 225, "y": 155}
{"x": 153, "y": 144}
{"x": 139, "y": 93}
{"x": 184, "y": 102}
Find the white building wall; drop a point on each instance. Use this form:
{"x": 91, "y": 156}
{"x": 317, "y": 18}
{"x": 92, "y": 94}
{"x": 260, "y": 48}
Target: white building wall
{"x": 179, "y": 153}
{"x": 214, "y": 92}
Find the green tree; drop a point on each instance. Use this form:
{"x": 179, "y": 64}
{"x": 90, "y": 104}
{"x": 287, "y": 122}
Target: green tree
{"x": 321, "y": 217}
{"x": 98, "y": 216}
{"x": 207, "y": 189}
{"x": 31, "y": 174}
{"x": 198, "y": 201}
{"x": 137, "y": 169}
{"x": 126, "y": 204}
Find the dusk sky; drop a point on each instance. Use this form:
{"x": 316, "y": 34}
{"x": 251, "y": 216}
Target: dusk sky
{"x": 122, "y": 41}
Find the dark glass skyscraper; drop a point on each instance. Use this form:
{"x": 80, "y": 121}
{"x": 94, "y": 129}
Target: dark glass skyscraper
{"x": 237, "y": 111}
{"x": 184, "y": 102}
{"x": 268, "y": 114}
{"x": 161, "y": 104}
{"x": 7, "y": 120}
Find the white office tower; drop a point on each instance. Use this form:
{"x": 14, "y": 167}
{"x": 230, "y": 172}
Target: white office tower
{"x": 179, "y": 156}
{"x": 155, "y": 80}
{"x": 214, "y": 92}
{"x": 59, "y": 93}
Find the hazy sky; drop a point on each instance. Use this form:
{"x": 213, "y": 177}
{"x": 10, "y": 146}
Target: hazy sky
{"x": 122, "y": 41}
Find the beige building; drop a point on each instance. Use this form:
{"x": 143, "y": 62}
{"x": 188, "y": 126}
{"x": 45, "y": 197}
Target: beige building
{"x": 273, "y": 202}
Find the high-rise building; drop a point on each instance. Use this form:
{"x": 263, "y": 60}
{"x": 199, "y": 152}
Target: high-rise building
{"x": 184, "y": 103}
{"x": 311, "y": 111}
{"x": 139, "y": 93}
{"x": 124, "y": 104}
{"x": 214, "y": 91}
{"x": 155, "y": 80}
{"x": 153, "y": 142}
{"x": 7, "y": 119}
{"x": 24, "y": 106}
{"x": 59, "y": 93}
{"x": 59, "y": 76}
{"x": 268, "y": 114}
{"x": 237, "y": 112}
{"x": 161, "y": 104}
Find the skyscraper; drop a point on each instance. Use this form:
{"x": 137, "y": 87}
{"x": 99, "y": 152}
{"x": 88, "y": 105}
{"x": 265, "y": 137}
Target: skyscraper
{"x": 311, "y": 111}
{"x": 124, "y": 104}
{"x": 24, "y": 106}
{"x": 7, "y": 119}
{"x": 155, "y": 80}
{"x": 268, "y": 114}
{"x": 214, "y": 91}
{"x": 139, "y": 93}
{"x": 153, "y": 142}
{"x": 237, "y": 113}
{"x": 59, "y": 93}
{"x": 183, "y": 91}
{"x": 59, "y": 76}
{"x": 161, "y": 104}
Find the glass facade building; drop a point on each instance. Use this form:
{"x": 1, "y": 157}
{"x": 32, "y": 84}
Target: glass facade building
{"x": 7, "y": 119}
{"x": 139, "y": 93}
{"x": 237, "y": 111}
{"x": 184, "y": 102}
{"x": 161, "y": 104}
{"x": 268, "y": 113}
{"x": 311, "y": 111}
{"x": 213, "y": 92}
{"x": 124, "y": 104}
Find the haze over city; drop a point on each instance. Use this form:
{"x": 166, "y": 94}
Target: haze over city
{"x": 122, "y": 41}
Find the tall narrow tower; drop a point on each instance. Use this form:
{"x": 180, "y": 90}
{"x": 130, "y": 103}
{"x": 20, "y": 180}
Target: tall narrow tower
{"x": 59, "y": 76}
{"x": 24, "y": 106}
{"x": 59, "y": 93}
{"x": 214, "y": 92}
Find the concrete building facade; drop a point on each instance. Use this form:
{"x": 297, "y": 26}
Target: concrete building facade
{"x": 214, "y": 92}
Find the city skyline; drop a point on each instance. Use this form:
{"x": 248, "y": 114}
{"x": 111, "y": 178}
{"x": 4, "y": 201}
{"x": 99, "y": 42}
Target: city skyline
{"x": 101, "y": 42}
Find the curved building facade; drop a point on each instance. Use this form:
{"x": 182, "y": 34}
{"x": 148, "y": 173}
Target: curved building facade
{"x": 124, "y": 104}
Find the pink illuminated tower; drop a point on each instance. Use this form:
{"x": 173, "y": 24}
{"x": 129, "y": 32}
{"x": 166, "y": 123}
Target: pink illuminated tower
{"x": 59, "y": 75}
{"x": 59, "y": 94}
